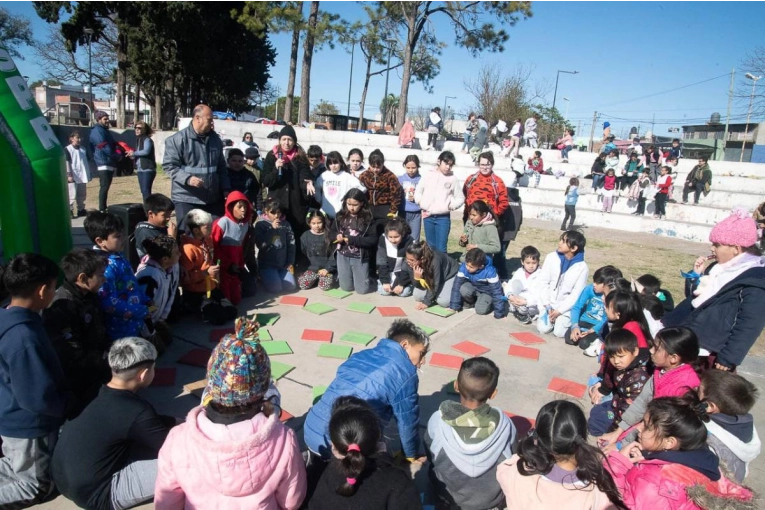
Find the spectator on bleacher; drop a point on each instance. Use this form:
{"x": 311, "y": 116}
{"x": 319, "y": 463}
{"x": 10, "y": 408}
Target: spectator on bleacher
{"x": 530, "y": 131}
{"x": 698, "y": 181}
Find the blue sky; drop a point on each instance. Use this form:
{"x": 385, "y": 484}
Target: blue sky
{"x": 624, "y": 51}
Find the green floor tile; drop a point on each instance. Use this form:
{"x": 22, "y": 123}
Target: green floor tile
{"x": 335, "y": 351}
{"x": 267, "y": 319}
{"x": 319, "y": 308}
{"x": 264, "y": 335}
{"x": 440, "y": 311}
{"x": 361, "y": 307}
{"x": 317, "y": 392}
{"x": 337, "y": 293}
{"x": 428, "y": 330}
{"x": 279, "y": 369}
{"x": 276, "y": 348}
{"x": 354, "y": 337}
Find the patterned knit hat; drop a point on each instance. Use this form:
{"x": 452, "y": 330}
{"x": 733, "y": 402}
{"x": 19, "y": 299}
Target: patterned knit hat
{"x": 738, "y": 229}
{"x": 239, "y": 371}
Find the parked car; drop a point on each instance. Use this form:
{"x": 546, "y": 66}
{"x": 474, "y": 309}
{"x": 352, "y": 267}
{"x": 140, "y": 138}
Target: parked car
{"x": 224, "y": 116}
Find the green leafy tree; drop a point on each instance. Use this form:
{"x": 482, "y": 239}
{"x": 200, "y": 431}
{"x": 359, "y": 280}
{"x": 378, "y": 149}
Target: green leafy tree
{"x": 51, "y": 81}
{"x": 322, "y": 109}
{"x": 14, "y": 32}
{"x": 389, "y": 109}
{"x": 271, "y": 110}
{"x": 412, "y": 21}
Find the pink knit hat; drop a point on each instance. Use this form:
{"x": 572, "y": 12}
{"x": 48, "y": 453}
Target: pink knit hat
{"x": 738, "y": 229}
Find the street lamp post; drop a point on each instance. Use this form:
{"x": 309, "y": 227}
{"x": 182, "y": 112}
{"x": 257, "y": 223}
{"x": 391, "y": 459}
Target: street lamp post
{"x": 89, "y": 33}
{"x": 445, "y": 98}
{"x": 387, "y": 74}
{"x": 555, "y": 94}
{"x": 749, "y": 112}
{"x": 565, "y": 116}
{"x": 350, "y": 81}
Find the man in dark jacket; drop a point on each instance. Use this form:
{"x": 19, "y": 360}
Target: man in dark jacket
{"x": 194, "y": 159}
{"x": 697, "y": 180}
{"x": 104, "y": 151}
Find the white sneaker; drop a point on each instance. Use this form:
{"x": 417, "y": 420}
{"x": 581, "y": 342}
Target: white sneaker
{"x": 594, "y": 349}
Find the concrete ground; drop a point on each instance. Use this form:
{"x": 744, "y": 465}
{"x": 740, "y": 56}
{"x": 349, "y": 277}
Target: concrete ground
{"x": 522, "y": 387}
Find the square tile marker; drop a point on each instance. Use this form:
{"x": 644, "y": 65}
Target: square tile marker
{"x": 293, "y": 300}
{"x": 337, "y": 293}
{"x": 470, "y": 348}
{"x": 276, "y": 348}
{"x": 279, "y": 369}
{"x": 217, "y": 334}
{"x": 335, "y": 351}
{"x": 361, "y": 307}
{"x": 164, "y": 376}
{"x": 267, "y": 319}
{"x": 264, "y": 335}
{"x": 446, "y": 361}
{"x": 284, "y": 416}
{"x": 528, "y": 338}
{"x": 354, "y": 337}
{"x": 440, "y": 311}
{"x": 317, "y": 335}
{"x": 391, "y": 311}
{"x": 520, "y": 351}
{"x": 195, "y": 358}
{"x": 319, "y": 308}
{"x": 522, "y": 424}
{"x": 566, "y": 387}
{"x": 317, "y": 392}
{"x": 428, "y": 330}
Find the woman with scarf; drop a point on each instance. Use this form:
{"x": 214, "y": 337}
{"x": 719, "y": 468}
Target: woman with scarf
{"x": 724, "y": 301}
{"x": 286, "y": 173}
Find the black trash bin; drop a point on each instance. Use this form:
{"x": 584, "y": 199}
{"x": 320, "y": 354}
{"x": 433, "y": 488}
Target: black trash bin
{"x": 131, "y": 215}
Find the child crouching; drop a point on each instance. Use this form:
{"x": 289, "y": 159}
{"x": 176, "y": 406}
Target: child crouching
{"x": 467, "y": 440}
{"x": 315, "y": 244}
{"x": 477, "y": 285}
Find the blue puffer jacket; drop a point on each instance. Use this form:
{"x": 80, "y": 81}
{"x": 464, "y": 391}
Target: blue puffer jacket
{"x": 485, "y": 281}
{"x": 102, "y": 146}
{"x": 387, "y": 380}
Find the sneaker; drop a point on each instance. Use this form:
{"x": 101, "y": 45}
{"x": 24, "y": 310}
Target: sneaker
{"x": 523, "y": 318}
{"x": 594, "y": 349}
{"x": 81, "y": 213}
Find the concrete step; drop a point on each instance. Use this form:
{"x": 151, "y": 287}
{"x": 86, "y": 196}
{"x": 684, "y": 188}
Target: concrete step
{"x": 620, "y": 221}
{"x": 623, "y": 205}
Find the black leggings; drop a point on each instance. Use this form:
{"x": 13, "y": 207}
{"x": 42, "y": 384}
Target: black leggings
{"x": 661, "y": 203}
{"x": 570, "y": 213}
{"x": 105, "y": 180}
{"x": 432, "y": 138}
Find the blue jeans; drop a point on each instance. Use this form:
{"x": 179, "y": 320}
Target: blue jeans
{"x": 565, "y": 150}
{"x": 437, "y": 228}
{"x": 277, "y": 280}
{"x": 414, "y": 219}
{"x": 404, "y": 293}
{"x": 468, "y": 141}
{"x": 597, "y": 181}
{"x": 145, "y": 181}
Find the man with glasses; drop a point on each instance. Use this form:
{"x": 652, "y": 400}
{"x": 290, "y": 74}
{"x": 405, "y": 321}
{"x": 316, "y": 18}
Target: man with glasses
{"x": 699, "y": 181}
{"x": 103, "y": 148}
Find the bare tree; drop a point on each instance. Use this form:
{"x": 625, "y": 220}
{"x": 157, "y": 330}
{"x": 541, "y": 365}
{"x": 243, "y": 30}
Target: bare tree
{"x": 754, "y": 63}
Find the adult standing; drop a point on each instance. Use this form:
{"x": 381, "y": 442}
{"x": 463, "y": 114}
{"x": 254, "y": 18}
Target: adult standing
{"x": 194, "y": 160}
{"x": 434, "y": 125}
{"x": 487, "y": 186}
{"x": 698, "y": 180}
{"x": 471, "y": 129}
{"x": 653, "y": 161}
{"x": 516, "y": 132}
{"x": 286, "y": 173}
{"x": 724, "y": 301}
{"x": 530, "y": 131}
{"x": 104, "y": 151}
{"x": 145, "y": 164}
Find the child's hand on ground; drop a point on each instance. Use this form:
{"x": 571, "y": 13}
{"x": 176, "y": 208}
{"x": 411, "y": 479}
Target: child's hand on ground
{"x": 420, "y": 306}
{"x": 398, "y": 289}
{"x": 386, "y": 287}
{"x": 452, "y": 310}
{"x": 554, "y": 315}
{"x": 323, "y": 272}
{"x": 576, "y": 333}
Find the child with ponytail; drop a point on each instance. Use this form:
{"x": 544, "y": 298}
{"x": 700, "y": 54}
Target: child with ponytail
{"x": 359, "y": 475}
{"x": 555, "y": 468}
{"x": 671, "y": 465}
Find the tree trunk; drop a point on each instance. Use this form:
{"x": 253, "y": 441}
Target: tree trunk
{"x": 293, "y": 72}
{"x": 406, "y": 75}
{"x": 364, "y": 92}
{"x": 305, "y": 74}
{"x": 137, "y": 112}
{"x": 122, "y": 65}
{"x": 156, "y": 112}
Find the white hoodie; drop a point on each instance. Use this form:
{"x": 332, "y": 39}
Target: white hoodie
{"x": 331, "y": 188}
{"x": 561, "y": 292}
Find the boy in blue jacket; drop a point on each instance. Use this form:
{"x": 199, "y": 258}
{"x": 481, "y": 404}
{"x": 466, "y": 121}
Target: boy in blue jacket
{"x": 588, "y": 315}
{"x": 34, "y": 394}
{"x": 386, "y": 377}
{"x": 124, "y": 304}
{"x": 477, "y": 285}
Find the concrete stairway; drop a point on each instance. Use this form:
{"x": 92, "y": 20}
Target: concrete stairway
{"x": 733, "y": 184}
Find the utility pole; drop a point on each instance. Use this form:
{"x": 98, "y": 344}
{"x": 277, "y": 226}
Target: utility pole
{"x": 276, "y": 114}
{"x": 592, "y": 131}
{"x": 350, "y": 82}
{"x": 727, "y": 118}
{"x": 653, "y": 121}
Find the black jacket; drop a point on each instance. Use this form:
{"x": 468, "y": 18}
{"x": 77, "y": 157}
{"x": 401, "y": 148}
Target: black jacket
{"x": 364, "y": 240}
{"x": 729, "y": 322}
{"x": 444, "y": 268}
{"x": 381, "y": 487}
{"x": 386, "y": 264}
{"x": 289, "y": 188}
{"x": 246, "y": 182}
{"x": 78, "y": 334}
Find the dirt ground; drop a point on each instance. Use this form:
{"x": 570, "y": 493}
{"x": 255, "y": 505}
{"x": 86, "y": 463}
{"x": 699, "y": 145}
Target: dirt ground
{"x": 634, "y": 253}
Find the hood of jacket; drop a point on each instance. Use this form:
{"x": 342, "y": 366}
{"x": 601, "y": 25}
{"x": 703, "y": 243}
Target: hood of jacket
{"x": 702, "y": 460}
{"x": 15, "y": 316}
{"x": 738, "y": 433}
{"x": 565, "y": 264}
{"x": 449, "y": 426}
{"x": 233, "y": 198}
{"x": 240, "y": 460}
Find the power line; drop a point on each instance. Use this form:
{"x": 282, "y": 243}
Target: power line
{"x": 666, "y": 91}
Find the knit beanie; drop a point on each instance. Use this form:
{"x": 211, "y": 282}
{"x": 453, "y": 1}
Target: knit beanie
{"x": 288, "y": 131}
{"x": 239, "y": 371}
{"x": 738, "y": 229}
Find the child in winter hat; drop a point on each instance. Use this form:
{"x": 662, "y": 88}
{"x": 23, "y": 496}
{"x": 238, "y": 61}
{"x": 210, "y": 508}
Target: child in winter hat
{"x": 201, "y": 463}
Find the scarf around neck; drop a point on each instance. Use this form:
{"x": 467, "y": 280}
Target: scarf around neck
{"x": 286, "y": 156}
{"x": 722, "y": 274}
